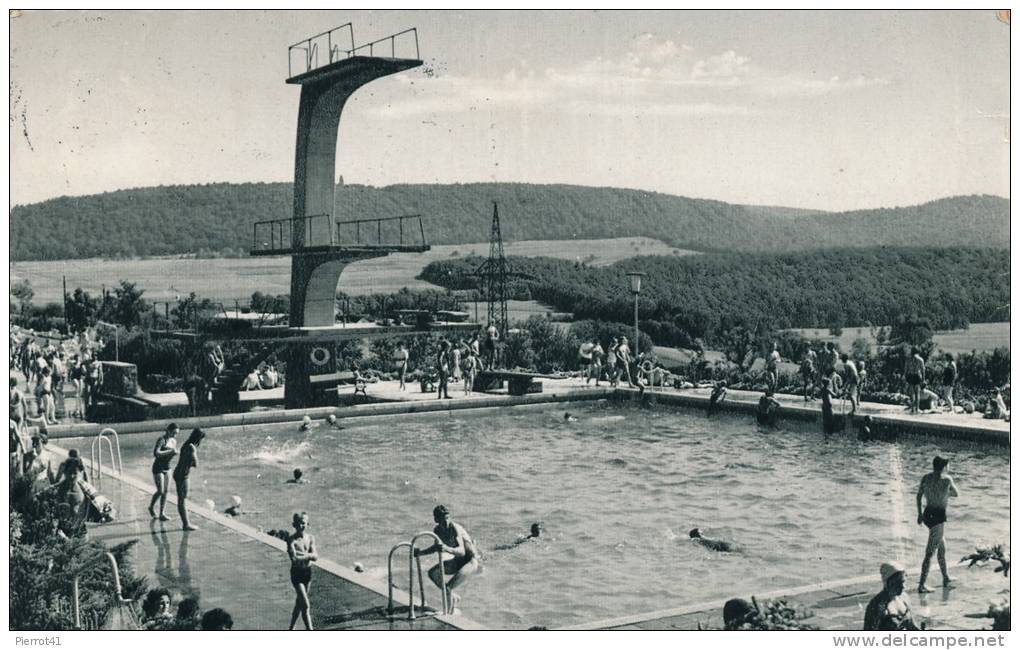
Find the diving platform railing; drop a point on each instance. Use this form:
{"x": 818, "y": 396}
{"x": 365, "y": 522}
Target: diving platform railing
{"x": 318, "y": 233}
{"x": 414, "y": 562}
{"x": 306, "y": 52}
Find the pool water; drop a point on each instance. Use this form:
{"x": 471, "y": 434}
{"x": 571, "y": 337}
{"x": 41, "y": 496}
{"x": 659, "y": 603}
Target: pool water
{"x": 617, "y": 492}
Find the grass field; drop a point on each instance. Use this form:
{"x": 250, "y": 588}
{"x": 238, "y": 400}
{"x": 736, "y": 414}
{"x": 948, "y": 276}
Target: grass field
{"x": 980, "y": 336}
{"x": 227, "y": 280}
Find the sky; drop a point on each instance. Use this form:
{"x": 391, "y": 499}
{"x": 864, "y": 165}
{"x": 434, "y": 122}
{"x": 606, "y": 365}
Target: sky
{"x": 825, "y": 110}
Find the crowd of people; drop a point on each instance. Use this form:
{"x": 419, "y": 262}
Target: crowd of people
{"x": 47, "y": 369}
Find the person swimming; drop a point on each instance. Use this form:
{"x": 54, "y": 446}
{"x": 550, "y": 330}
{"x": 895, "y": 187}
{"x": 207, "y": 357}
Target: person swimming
{"x": 712, "y": 544}
{"x": 718, "y": 395}
{"x": 569, "y": 418}
{"x": 297, "y": 480}
{"x": 534, "y": 533}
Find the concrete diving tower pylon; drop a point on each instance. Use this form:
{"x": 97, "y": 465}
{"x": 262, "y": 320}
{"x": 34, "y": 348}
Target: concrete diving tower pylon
{"x": 320, "y": 247}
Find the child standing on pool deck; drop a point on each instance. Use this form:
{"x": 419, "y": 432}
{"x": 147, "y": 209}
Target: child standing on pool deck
{"x": 301, "y": 549}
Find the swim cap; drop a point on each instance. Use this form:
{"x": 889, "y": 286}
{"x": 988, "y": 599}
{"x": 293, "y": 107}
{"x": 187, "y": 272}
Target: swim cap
{"x": 440, "y": 511}
{"x": 889, "y": 569}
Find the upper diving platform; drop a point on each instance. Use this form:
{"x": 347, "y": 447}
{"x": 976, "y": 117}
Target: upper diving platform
{"x": 327, "y": 54}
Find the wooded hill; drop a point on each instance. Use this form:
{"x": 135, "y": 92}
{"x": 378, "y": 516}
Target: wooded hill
{"x": 703, "y": 296}
{"x": 218, "y": 217}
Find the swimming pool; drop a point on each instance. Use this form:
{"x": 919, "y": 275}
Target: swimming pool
{"x": 617, "y": 492}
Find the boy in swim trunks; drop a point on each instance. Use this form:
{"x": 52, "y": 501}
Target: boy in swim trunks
{"x": 913, "y": 371}
{"x": 456, "y": 542}
{"x": 301, "y": 549}
{"x": 935, "y": 488}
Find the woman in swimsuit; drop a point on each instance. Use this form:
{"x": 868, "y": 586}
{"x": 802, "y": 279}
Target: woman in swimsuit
{"x": 301, "y": 549}
{"x": 163, "y": 453}
{"x": 185, "y": 462}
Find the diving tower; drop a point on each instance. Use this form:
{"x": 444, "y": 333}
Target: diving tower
{"x": 320, "y": 247}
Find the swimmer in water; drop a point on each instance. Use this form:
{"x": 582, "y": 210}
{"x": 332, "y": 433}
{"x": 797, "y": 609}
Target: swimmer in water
{"x": 306, "y": 423}
{"x": 297, "y": 480}
{"x": 569, "y": 418}
{"x": 768, "y": 406}
{"x": 234, "y": 510}
{"x": 713, "y": 544}
{"x": 535, "y": 533}
{"x": 936, "y": 488}
{"x": 718, "y": 395}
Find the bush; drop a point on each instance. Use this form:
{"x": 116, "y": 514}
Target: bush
{"x": 47, "y": 551}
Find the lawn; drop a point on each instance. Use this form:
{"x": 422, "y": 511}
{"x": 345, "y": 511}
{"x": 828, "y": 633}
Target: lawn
{"x": 227, "y": 280}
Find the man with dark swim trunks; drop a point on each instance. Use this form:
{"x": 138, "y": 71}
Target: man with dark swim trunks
{"x": 456, "y": 542}
{"x": 913, "y": 372}
{"x": 935, "y": 489}
{"x": 301, "y": 549}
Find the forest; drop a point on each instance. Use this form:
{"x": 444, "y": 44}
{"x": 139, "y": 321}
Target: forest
{"x": 216, "y": 219}
{"x": 705, "y": 296}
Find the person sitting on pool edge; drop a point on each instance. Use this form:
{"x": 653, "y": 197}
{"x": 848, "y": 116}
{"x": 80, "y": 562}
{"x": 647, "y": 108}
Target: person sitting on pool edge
{"x": 889, "y": 610}
{"x": 455, "y": 541}
{"x": 535, "y": 533}
{"x": 713, "y": 544}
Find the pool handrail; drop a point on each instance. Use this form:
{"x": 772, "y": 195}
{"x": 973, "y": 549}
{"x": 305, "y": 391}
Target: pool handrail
{"x": 412, "y": 561}
{"x": 442, "y": 572}
{"x": 116, "y": 461}
{"x": 117, "y": 591}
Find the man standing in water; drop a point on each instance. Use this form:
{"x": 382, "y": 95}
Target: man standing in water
{"x": 935, "y": 488}
{"x": 456, "y": 542}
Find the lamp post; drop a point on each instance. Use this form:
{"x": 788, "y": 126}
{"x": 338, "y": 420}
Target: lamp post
{"x": 635, "y": 287}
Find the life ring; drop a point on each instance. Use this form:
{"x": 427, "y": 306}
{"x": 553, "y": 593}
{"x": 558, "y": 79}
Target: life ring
{"x": 647, "y": 367}
{"x": 319, "y": 356}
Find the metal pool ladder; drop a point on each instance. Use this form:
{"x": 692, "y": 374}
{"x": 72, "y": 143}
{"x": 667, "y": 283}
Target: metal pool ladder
{"x": 116, "y": 463}
{"x": 411, "y": 562}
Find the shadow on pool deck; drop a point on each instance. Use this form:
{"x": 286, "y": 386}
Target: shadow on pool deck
{"x": 230, "y": 565}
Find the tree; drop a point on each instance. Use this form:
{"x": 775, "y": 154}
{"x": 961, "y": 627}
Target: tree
{"x": 81, "y": 310}
{"x": 127, "y": 305}
{"x": 22, "y": 292}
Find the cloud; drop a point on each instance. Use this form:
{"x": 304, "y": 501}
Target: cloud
{"x": 655, "y": 76}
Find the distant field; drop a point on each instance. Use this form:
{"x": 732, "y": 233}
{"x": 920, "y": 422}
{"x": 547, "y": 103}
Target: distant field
{"x": 980, "y": 336}
{"x": 229, "y": 279}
